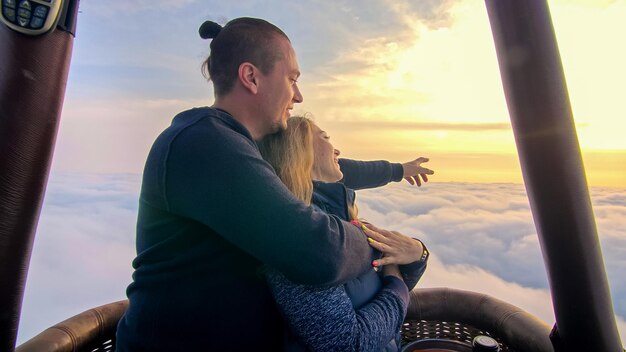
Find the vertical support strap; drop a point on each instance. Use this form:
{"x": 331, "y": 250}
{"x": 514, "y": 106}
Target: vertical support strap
{"x": 33, "y": 76}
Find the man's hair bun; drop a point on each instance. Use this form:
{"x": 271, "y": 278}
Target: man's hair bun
{"x": 209, "y": 30}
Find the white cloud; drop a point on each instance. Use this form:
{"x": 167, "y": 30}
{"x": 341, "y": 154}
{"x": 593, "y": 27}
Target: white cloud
{"x": 481, "y": 238}
{"x": 465, "y": 277}
{"x": 83, "y": 249}
{"x": 488, "y": 227}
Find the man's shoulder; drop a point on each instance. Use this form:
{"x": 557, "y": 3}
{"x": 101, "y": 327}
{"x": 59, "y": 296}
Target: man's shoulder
{"x": 193, "y": 114}
{"x": 205, "y": 116}
{"x": 204, "y": 133}
{"x": 206, "y": 123}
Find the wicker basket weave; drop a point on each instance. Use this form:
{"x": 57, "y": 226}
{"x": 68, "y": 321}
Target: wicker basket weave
{"x": 415, "y": 330}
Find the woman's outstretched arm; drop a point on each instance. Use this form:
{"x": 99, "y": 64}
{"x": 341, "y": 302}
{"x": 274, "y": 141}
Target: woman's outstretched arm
{"x": 371, "y": 174}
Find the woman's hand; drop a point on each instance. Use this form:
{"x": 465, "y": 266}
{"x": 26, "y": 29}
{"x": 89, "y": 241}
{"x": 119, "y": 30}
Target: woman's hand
{"x": 413, "y": 170}
{"x": 396, "y": 247}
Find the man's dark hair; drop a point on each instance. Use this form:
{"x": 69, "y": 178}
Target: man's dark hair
{"x": 241, "y": 40}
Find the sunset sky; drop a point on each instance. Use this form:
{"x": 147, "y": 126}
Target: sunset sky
{"x": 387, "y": 79}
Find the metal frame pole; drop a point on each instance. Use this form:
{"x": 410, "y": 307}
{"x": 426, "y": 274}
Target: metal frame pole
{"x": 541, "y": 115}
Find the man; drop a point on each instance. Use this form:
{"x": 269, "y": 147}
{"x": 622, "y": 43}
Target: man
{"x": 212, "y": 212}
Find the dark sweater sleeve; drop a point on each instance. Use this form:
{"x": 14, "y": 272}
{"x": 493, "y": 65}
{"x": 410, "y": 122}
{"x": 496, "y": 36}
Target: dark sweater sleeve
{"x": 216, "y": 177}
{"x": 324, "y": 320}
{"x": 412, "y": 272}
{"x": 369, "y": 174}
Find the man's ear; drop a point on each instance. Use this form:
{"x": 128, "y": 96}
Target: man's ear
{"x": 249, "y": 77}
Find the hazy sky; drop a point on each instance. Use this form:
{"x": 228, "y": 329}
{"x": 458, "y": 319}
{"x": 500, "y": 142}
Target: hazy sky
{"x": 387, "y": 79}
{"x": 481, "y": 237}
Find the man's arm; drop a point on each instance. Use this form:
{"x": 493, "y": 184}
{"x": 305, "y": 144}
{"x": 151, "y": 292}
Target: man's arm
{"x": 217, "y": 178}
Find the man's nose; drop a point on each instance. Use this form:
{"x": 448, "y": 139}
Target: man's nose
{"x": 297, "y": 96}
{"x": 337, "y": 152}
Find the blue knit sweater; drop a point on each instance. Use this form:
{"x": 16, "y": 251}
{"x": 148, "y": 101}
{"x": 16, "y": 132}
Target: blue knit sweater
{"x": 323, "y": 319}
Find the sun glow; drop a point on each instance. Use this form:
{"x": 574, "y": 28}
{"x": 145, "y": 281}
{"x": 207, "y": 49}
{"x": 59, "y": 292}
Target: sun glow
{"x": 446, "y": 82}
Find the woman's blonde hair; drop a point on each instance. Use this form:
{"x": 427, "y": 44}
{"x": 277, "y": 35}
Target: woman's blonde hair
{"x": 290, "y": 152}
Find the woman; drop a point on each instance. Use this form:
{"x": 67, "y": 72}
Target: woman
{"x": 363, "y": 314}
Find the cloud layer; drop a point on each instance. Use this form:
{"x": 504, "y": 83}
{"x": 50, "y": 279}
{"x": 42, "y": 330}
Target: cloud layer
{"x": 481, "y": 237}
{"x": 83, "y": 249}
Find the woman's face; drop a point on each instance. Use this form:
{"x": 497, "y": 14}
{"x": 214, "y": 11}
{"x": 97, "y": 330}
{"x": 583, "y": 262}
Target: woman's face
{"x": 325, "y": 164}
